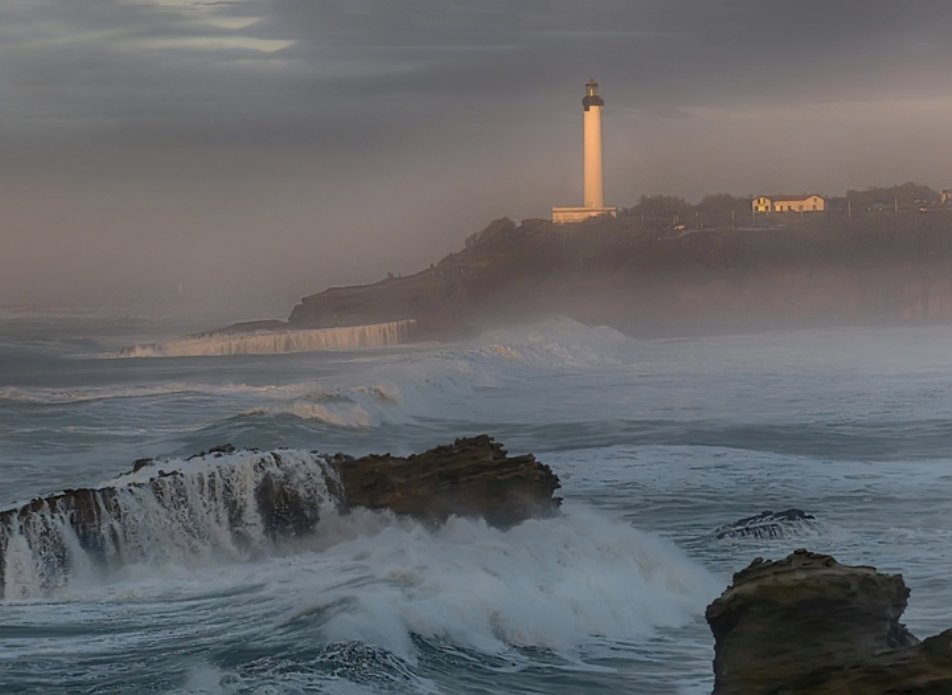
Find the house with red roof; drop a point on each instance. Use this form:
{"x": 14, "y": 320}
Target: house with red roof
{"x": 808, "y": 202}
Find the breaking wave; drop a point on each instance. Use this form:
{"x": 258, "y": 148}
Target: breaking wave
{"x": 554, "y": 584}
{"x": 265, "y": 343}
{"x": 371, "y": 580}
{"x": 368, "y": 578}
{"x": 364, "y": 406}
{"x": 444, "y": 381}
{"x": 561, "y": 342}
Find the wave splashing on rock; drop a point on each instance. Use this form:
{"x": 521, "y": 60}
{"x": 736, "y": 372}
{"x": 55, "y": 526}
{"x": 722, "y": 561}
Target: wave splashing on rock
{"x": 225, "y": 505}
{"x": 272, "y": 342}
{"x": 770, "y": 525}
{"x": 228, "y": 504}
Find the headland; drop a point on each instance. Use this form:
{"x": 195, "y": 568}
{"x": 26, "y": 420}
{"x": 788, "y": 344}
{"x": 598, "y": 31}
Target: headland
{"x": 645, "y": 279}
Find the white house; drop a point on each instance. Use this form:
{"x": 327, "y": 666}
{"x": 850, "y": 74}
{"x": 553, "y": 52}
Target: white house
{"x": 789, "y": 203}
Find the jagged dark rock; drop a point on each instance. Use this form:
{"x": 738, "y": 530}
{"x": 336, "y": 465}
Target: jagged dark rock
{"x": 471, "y": 477}
{"x": 139, "y": 464}
{"x": 807, "y": 624}
{"x": 765, "y": 525}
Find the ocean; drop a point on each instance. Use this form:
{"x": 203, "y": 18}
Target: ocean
{"x": 658, "y": 443}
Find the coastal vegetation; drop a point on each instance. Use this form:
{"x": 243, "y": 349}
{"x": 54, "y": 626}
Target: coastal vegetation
{"x": 722, "y": 210}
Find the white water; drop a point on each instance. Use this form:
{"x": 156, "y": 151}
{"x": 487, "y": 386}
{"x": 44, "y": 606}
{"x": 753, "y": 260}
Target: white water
{"x": 206, "y": 512}
{"x": 563, "y": 584}
{"x": 426, "y": 385}
{"x": 558, "y": 584}
{"x": 651, "y": 439}
{"x": 266, "y": 343}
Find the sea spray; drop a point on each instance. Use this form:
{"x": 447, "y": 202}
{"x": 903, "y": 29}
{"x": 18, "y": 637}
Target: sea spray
{"x": 559, "y": 584}
{"x": 271, "y": 342}
{"x": 377, "y": 603}
{"x": 225, "y": 506}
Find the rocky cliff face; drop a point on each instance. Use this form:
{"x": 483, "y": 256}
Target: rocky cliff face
{"x": 807, "y": 624}
{"x": 613, "y": 271}
{"x": 444, "y": 300}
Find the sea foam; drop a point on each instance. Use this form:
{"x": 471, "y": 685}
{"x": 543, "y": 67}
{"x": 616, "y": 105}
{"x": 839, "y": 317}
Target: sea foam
{"x": 558, "y": 584}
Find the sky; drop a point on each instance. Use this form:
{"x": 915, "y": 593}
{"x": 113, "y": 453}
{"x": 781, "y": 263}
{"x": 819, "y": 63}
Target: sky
{"x": 215, "y": 151}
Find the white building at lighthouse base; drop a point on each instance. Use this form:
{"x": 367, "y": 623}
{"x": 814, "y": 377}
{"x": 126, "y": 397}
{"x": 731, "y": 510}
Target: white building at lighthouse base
{"x": 566, "y": 215}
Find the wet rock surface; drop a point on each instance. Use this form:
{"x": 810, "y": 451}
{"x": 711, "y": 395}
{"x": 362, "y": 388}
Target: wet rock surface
{"x": 236, "y": 502}
{"x": 471, "y": 477}
{"x": 808, "y": 624}
{"x": 766, "y": 525}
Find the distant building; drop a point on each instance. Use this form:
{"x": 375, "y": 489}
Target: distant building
{"x": 789, "y": 203}
{"x": 947, "y": 196}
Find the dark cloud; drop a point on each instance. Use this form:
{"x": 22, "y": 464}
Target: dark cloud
{"x": 399, "y": 126}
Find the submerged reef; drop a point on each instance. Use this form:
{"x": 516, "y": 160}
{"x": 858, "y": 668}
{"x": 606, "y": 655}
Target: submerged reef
{"x": 810, "y": 625}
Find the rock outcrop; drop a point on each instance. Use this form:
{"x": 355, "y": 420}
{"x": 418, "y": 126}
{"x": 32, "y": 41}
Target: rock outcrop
{"x": 472, "y": 477}
{"x": 767, "y": 525}
{"x": 807, "y": 624}
{"x": 232, "y": 502}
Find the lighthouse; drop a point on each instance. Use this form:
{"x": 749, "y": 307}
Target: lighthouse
{"x": 594, "y": 189}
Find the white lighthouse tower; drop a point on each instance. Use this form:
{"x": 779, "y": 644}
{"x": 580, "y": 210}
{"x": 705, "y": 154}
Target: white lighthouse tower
{"x": 594, "y": 189}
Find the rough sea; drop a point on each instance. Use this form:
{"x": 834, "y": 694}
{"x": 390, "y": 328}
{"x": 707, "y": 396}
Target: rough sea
{"x": 657, "y": 443}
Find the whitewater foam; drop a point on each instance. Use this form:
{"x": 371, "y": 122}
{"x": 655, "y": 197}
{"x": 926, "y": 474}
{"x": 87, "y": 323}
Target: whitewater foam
{"x": 556, "y": 584}
{"x": 438, "y": 383}
{"x": 560, "y": 342}
{"x": 232, "y": 507}
{"x": 263, "y": 343}
{"x": 582, "y": 586}
{"x": 52, "y": 396}
{"x": 360, "y": 407}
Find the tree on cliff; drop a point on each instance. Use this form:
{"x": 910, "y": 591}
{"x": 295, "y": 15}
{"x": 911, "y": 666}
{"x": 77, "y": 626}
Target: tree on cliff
{"x": 907, "y": 195}
{"x": 718, "y": 210}
{"x": 660, "y": 210}
{"x": 723, "y": 209}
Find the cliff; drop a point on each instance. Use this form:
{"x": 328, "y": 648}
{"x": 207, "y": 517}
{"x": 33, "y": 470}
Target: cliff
{"x": 809, "y": 625}
{"x": 826, "y": 270}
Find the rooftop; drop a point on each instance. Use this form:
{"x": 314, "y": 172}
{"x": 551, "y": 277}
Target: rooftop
{"x": 786, "y": 198}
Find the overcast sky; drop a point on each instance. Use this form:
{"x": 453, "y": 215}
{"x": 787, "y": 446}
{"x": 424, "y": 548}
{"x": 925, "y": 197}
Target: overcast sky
{"x": 280, "y": 146}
